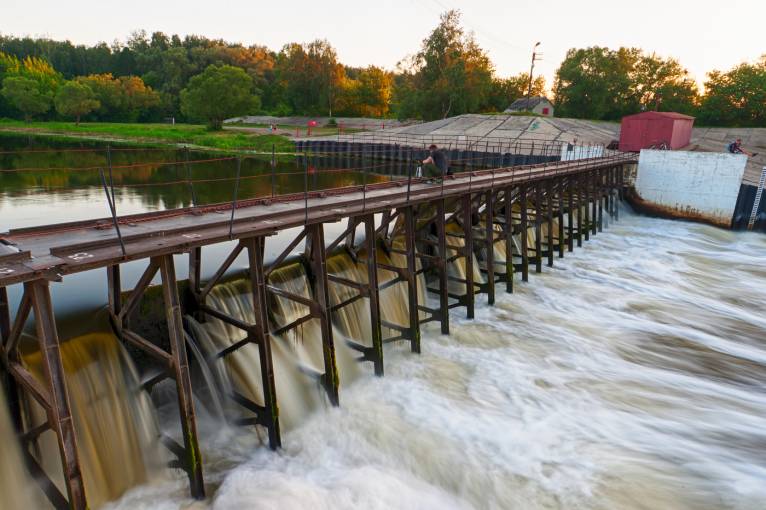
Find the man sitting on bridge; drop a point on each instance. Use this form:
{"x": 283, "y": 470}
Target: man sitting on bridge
{"x": 438, "y": 163}
{"x": 735, "y": 147}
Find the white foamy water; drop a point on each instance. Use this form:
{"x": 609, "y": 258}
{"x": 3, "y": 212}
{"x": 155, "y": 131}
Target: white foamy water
{"x": 631, "y": 375}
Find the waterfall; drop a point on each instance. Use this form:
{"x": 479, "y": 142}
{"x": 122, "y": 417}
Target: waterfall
{"x": 17, "y": 490}
{"x": 115, "y": 423}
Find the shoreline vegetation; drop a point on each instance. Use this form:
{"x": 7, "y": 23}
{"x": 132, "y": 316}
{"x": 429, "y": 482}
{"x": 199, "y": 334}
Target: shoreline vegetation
{"x": 178, "y": 135}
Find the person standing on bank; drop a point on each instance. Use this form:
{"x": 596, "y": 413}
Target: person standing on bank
{"x": 437, "y": 163}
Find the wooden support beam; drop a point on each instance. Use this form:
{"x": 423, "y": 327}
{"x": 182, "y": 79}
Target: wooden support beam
{"x": 560, "y": 212}
{"x": 195, "y": 270}
{"x": 586, "y": 200}
{"x": 220, "y": 272}
{"x": 600, "y": 192}
{"x": 374, "y": 293}
{"x": 413, "y": 332}
{"x": 594, "y": 202}
{"x": 470, "y": 295}
{"x": 549, "y": 215}
{"x": 136, "y": 294}
{"x": 489, "y": 239}
{"x": 570, "y": 213}
{"x": 192, "y": 462}
{"x": 441, "y": 232}
{"x": 269, "y": 416}
{"x": 508, "y": 235}
{"x": 318, "y": 263}
{"x": 60, "y": 414}
{"x": 114, "y": 285}
{"x": 538, "y": 228}
{"x": 524, "y": 234}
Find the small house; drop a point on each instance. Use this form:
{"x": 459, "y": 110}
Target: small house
{"x": 539, "y": 105}
{"x": 668, "y": 130}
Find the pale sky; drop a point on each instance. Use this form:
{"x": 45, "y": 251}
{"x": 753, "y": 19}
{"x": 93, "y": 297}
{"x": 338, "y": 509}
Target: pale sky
{"x": 702, "y": 34}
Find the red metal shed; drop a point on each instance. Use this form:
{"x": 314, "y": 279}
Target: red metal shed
{"x": 647, "y": 129}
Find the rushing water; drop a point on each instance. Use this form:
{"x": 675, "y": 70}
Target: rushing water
{"x": 631, "y": 375}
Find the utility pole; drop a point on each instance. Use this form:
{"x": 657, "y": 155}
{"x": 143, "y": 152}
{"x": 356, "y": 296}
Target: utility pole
{"x": 535, "y": 58}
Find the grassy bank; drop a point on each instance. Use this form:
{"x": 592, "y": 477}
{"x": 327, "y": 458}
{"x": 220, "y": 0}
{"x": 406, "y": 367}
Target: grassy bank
{"x": 151, "y": 134}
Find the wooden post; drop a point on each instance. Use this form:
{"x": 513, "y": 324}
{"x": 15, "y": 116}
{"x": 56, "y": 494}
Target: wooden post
{"x": 600, "y": 192}
{"x": 594, "y": 204}
{"x": 468, "y": 252}
{"x": 255, "y": 252}
{"x": 490, "y": 243}
{"x": 374, "y": 291}
{"x": 115, "y": 289}
{"x": 318, "y": 261}
{"x": 60, "y": 415}
{"x": 195, "y": 270}
{"x": 441, "y": 232}
{"x": 524, "y": 234}
{"x": 570, "y": 212}
{"x": 538, "y": 228}
{"x": 412, "y": 279}
{"x": 560, "y": 204}
{"x": 508, "y": 233}
{"x": 182, "y": 377}
{"x": 549, "y": 213}
{"x": 586, "y": 197}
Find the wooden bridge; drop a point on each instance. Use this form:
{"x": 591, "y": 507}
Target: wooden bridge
{"x": 489, "y": 206}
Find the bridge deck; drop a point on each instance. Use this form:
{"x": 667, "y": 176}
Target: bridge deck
{"x": 48, "y": 251}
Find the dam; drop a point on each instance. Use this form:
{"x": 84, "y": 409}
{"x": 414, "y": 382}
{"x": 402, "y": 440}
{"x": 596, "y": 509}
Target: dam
{"x": 228, "y": 312}
{"x": 439, "y": 245}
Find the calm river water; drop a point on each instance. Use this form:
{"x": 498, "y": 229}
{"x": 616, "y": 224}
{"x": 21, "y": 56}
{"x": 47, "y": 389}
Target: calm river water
{"x": 630, "y": 376}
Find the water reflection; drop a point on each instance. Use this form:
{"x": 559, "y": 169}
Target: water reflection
{"x": 43, "y": 182}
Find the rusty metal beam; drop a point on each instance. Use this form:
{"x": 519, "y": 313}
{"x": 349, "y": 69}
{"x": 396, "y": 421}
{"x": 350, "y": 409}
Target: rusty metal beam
{"x": 489, "y": 234}
{"x": 508, "y": 235}
{"x": 192, "y": 462}
{"x": 549, "y": 216}
{"x": 413, "y": 331}
{"x": 60, "y": 414}
{"x": 317, "y": 258}
{"x": 538, "y": 228}
{"x": 470, "y": 291}
{"x": 228, "y": 261}
{"x": 441, "y": 232}
{"x": 570, "y": 213}
{"x": 135, "y": 296}
{"x": 524, "y": 233}
{"x": 374, "y": 293}
{"x": 255, "y": 255}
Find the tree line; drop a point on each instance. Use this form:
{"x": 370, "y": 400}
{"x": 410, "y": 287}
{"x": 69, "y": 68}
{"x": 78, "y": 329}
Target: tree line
{"x": 151, "y": 77}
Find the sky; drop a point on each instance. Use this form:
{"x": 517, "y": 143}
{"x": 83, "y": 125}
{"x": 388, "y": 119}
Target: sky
{"x": 703, "y": 35}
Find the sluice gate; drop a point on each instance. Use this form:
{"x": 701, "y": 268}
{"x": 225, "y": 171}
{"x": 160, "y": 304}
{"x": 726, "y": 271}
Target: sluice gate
{"x": 535, "y": 212}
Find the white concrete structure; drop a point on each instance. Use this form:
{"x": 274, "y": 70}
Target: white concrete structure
{"x": 700, "y": 185}
{"x": 571, "y": 152}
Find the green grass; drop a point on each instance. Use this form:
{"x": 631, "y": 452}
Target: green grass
{"x": 315, "y": 131}
{"x": 152, "y": 134}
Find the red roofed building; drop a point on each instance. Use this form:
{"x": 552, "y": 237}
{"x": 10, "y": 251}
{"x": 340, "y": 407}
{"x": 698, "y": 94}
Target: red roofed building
{"x": 653, "y": 129}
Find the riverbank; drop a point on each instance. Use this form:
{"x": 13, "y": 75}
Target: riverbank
{"x": 196, "y": 136}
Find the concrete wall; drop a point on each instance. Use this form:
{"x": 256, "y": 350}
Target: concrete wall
{"x": 571, "y": 152}
{"x": 694, "y": 185}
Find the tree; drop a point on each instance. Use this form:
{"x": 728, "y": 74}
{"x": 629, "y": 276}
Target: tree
{"x": 596, "y": 83}
{"x": 310, "y": 76}
{"x": 450, "y": 75}
{"x": 506, "y": 91}
{"x": 218, "y": 93}
{"x": 74, "y": 99}
{"x": 736, "y": 97}
{"x": 662, "y": 84}
{"x": 25, "y": 95}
